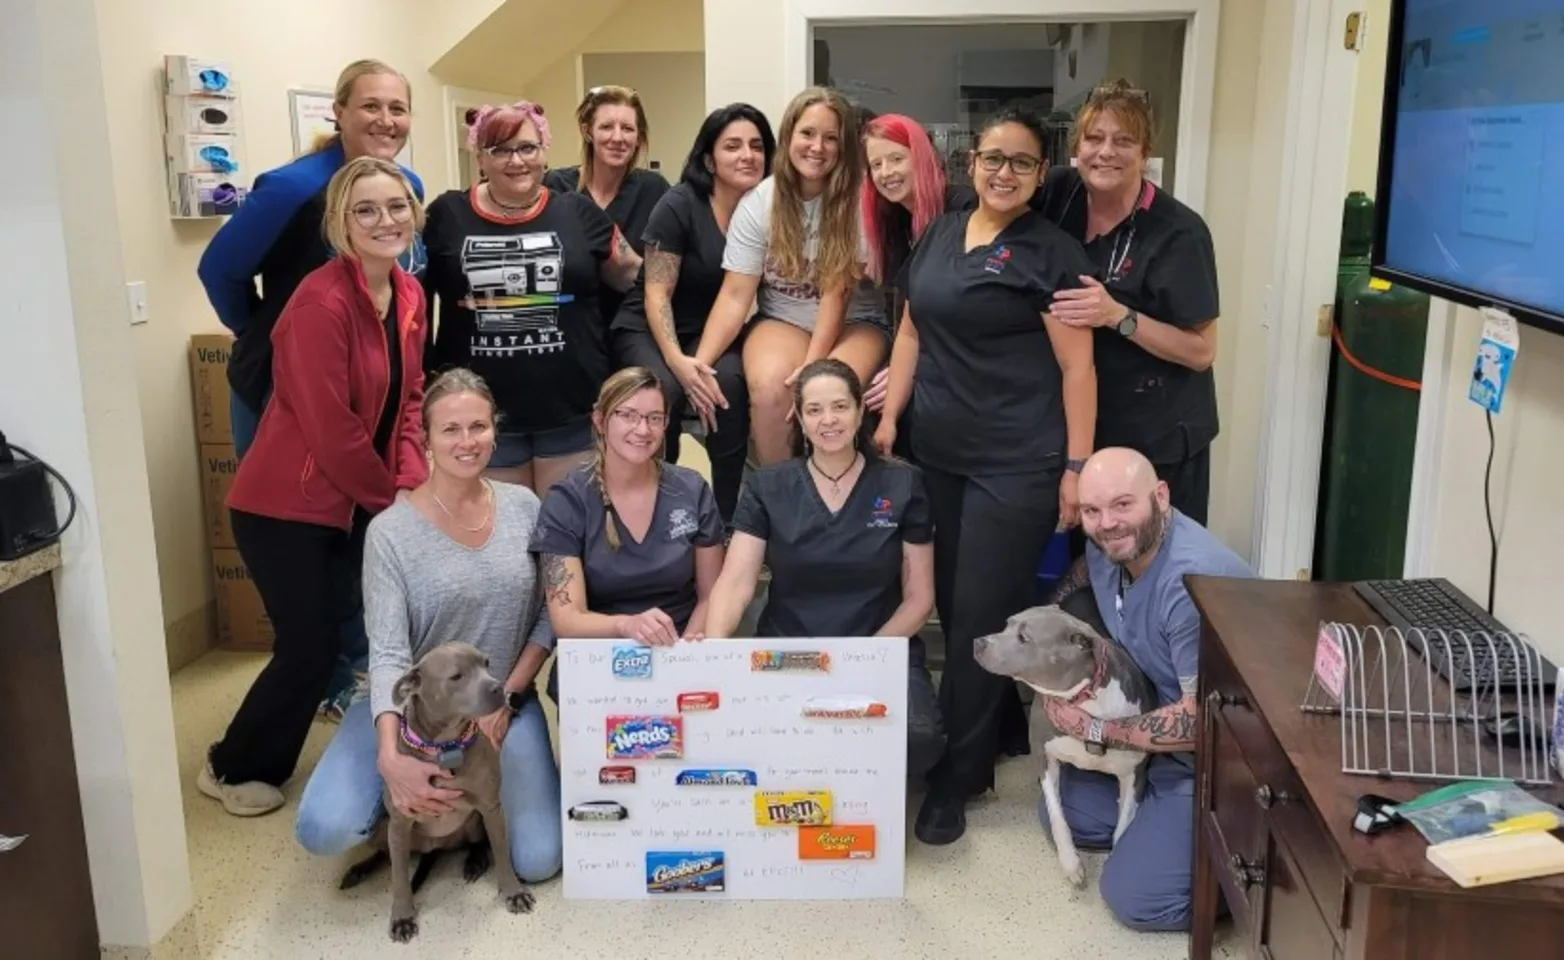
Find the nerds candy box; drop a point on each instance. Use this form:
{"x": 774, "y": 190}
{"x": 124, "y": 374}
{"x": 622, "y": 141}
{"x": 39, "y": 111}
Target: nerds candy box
{"x": 645, "y": 738}
{"x": 684, "y": 872}
{"x": 632, "y": 663}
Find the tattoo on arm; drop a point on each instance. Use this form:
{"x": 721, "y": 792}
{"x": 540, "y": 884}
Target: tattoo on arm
{"x": 1078, "y": 577}
{"x": 662, "y": 269}
{"x": 665, "y": 324}
{"x": 1168, "y": 730}
{"x": 556, "y": 578}
{"x": 622, "y": 248}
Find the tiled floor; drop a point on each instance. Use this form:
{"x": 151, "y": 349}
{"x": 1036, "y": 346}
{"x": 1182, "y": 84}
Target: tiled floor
{"x": 995, "y": 893}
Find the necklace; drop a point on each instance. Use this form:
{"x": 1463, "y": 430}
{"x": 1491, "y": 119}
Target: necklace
{"x": 836, "y": 480}
{"x": 509, "y": 208}
{"x": 487, "y": 510}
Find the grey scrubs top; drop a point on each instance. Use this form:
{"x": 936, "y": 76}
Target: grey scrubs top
{"x": 657, "y": 572}
{"x": 833, "y": 574}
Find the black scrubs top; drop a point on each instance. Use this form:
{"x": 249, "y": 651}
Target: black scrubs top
{"x": 659, "y": 571}
{"x": 988, "y": 389}
{"x": 684, "y": 225}
{"x": 1160, "y": 262}
{"x": 630, "y": 210}
{"x": 833, "y": 575}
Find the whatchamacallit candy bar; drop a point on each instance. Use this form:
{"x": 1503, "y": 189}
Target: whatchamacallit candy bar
{"x": 790, "y": 660}
{"x": 599, "y": 810}
{"x": 843, "y": 708}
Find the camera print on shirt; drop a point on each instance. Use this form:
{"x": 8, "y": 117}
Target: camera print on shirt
{"x": 515, "y": 291}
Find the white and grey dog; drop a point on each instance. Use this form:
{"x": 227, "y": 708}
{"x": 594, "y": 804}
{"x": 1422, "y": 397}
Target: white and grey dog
{"x": 1060, "y": 656}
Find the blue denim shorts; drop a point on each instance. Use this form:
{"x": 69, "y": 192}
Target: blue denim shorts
{"x": 520, "y": 449}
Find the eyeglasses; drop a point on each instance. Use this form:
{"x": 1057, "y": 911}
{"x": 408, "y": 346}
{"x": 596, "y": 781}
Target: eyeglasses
{"x": 1022, "y": 164}
{"x": 368, "y": 214}
{"x": 634, "y": 418}
{"x": 526, "y": 150}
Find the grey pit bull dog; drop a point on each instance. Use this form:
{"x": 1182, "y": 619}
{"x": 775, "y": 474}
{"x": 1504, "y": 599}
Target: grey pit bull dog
{"x": 1058, "y": 655}
{"x": 442, "y": 697}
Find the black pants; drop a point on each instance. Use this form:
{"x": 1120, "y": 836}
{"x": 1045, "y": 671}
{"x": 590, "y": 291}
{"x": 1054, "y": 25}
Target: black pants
{"x": 728, "y": 446}
{"x": 989, "y": 533}
{"x": 925, "y": 732}
{"x": 307, "y": 576}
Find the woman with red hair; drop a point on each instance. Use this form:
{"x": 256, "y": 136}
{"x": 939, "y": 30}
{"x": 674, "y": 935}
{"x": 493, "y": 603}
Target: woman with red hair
{"x": 904, "y": 192}
{"x": 519, "y": 271}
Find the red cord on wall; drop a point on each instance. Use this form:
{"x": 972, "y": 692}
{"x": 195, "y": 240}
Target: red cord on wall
{"x": 1365, "y": 369}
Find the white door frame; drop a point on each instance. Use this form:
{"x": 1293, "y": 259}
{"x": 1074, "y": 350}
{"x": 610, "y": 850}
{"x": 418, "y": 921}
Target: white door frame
{"x": 1322, "y": 80}
{"x": 1196, "y": 84}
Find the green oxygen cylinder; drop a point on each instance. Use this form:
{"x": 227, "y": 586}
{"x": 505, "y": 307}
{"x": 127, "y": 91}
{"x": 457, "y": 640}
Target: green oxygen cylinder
{"x": 1377, "y": 361}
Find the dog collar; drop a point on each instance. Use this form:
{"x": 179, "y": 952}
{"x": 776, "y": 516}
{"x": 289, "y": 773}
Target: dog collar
{"x": 447, "y": 753}
{"x": 1099, "y": 677}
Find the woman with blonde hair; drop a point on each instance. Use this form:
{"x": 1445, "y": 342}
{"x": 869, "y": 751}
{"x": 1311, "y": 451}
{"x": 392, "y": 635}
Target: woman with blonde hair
{"x": 795, "y": 243}
{"x": 630, "y": 545}
{"x": 615, "y": 137}
{"x": 446, "y": 563}
{"x": 1153, "y": 306}
{"x": 339, "y": 439}
{"x": 520, "y": 271}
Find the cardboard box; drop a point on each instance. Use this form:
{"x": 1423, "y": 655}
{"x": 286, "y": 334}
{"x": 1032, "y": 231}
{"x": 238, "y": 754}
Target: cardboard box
{"x": 242, "y": 623}
{"x": 218, "y": 467}
{"x": 214, "y": 153}
{"x": 202, "y": 115}
{"x": 204, "y": 195}
{"x": 209, "y": 381}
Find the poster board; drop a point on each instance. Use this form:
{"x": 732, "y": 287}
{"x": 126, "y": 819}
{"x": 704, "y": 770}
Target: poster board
{"x": 310, "y": 115}
{"x": 757, "y": 724}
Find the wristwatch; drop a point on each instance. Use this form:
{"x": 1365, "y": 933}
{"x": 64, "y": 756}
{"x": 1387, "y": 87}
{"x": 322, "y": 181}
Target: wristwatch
{"x": 1128, "y": 323}
{"x": 516, "y": 699}
{"x": 1094, "y": 742}
{"x": 1075, "y": 465}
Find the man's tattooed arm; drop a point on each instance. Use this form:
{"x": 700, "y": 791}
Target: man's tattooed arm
{"x": 662, "y": 275}
{"x": 556, "y": 578}
{"x": 1170, "y": 729}
{"x": 1078, "y": 577}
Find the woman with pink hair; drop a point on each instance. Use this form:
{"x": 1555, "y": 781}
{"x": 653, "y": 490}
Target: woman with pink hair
{"x": 519, "y": 271}
{"x": 904, "y": 192}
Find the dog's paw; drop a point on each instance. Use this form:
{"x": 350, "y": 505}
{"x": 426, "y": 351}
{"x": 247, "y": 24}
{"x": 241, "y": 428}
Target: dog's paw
{"x": 519, "y": 902}
{"x": 1074, "y": 871}
{"x": 479, "y": 859}
{"x": 404, "y": 929}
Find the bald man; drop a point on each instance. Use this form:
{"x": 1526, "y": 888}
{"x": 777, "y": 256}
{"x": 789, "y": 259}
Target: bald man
{"x": 1139, "y": 550}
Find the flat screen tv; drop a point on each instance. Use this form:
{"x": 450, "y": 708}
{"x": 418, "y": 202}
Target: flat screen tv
{"x": 1470, "y": 203}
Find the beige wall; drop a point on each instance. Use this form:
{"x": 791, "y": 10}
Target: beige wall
{"x": 269, "y": 56}
{"x": 1363, "y": 136}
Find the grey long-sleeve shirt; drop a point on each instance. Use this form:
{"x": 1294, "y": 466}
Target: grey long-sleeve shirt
{"x": 422, "y": 589}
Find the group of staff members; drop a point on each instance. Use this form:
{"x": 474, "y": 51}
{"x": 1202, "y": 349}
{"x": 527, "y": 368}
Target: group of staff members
{"x": 820, "y": 295}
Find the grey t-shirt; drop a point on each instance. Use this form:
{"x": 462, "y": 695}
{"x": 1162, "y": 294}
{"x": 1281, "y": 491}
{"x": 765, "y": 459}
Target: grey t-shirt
{"x": 1154, "y": 620}
{"x": 659, "y": 571}
{"x": 422, "y": 589}
{"x": 795, "y": 301}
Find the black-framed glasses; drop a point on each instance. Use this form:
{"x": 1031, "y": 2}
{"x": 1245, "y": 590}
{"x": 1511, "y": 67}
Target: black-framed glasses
{"x": 368, "y": 214}
{"x": 634, "y": 418}
{"x": 1022, "y": 164}
{"x": 526, "y": 150}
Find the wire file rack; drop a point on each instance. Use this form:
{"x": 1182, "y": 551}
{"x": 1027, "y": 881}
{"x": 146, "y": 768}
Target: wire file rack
{"x": 1400, "y": 717}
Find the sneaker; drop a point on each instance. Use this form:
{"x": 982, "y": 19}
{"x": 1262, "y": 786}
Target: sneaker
{"x": 240, "y": 799}
{"x": 941, "y": 820}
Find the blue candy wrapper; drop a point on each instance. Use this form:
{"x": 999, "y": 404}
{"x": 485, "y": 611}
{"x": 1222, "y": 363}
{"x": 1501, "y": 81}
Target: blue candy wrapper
{"x": 674, "y": 871}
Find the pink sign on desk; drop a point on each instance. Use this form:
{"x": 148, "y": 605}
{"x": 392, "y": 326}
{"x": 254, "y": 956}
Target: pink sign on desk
{"x": 1330, "y": 664}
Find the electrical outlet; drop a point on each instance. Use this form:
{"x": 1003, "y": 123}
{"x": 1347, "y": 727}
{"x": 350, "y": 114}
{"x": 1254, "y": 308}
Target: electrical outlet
{"x": 136, "y": 294}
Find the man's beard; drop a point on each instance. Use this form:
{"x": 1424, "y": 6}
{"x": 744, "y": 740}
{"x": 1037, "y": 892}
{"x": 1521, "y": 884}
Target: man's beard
{"x": 1147, "y": 536}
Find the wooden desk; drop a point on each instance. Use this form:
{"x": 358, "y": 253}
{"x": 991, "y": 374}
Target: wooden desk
{"x": 46, "y": 902}
{"x": 1274, "y": 811}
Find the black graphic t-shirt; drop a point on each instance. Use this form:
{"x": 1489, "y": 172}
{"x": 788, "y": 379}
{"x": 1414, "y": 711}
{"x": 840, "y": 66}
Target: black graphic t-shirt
{"x": 684, "y": 225}
{"x": 519, "y": 304}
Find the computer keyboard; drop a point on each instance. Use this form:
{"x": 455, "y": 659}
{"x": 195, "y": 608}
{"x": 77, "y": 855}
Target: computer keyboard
{"x": 1434, "y": 604}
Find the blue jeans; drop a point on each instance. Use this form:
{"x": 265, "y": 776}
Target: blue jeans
{"x": 1148, "y": 879}
{"x": 343, "y": 801}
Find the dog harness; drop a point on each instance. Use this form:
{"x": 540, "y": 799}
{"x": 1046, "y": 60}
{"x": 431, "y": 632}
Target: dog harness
{"x": 447, "y": 753}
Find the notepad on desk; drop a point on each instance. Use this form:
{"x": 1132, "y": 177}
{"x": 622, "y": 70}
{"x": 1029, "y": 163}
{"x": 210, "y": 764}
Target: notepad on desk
{"x": 1480, "y": 861}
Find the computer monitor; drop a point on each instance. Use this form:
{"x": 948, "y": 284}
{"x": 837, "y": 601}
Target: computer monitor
{"x": 1470, "y": 203}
